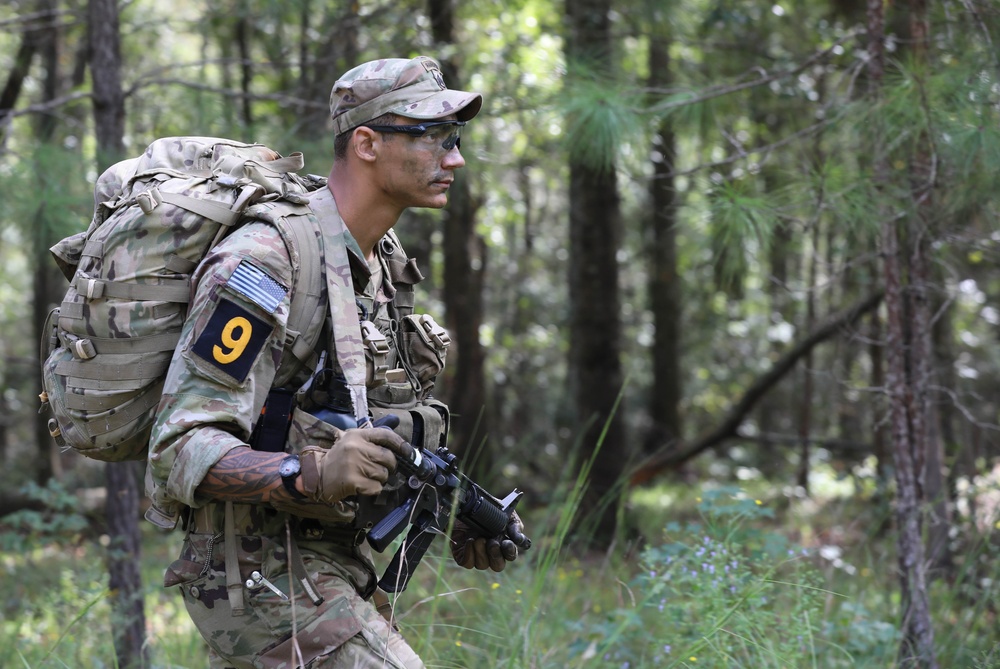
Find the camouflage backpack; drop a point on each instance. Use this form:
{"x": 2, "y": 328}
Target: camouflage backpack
{"x": 106, "y": 349}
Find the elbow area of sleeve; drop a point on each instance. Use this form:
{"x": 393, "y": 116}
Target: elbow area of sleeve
{"x": 186, "y": 447}
{"x": 203, "y": 449}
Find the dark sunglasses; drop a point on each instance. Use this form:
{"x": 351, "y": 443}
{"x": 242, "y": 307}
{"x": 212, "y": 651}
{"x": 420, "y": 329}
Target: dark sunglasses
{"x": 449, "y": 140}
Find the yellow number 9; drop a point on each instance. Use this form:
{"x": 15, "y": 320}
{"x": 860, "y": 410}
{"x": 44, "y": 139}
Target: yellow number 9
{"x": 236, "y": 345}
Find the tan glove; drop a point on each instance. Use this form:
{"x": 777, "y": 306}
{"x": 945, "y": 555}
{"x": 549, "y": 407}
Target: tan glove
{"x": 358, "y": 463}
{"x": 482, "y": 552}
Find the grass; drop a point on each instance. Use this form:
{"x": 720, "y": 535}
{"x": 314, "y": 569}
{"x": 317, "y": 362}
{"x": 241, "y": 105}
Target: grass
{"x": 726, "y": 577}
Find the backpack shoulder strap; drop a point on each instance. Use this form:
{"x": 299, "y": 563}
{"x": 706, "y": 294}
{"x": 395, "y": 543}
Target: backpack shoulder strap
{"x": 306, "y": 312}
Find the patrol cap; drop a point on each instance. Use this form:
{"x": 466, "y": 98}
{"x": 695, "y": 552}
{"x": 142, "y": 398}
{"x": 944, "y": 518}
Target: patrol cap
{"x": 412, "y": 88}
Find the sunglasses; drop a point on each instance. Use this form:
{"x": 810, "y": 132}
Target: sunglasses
{"x": 445, "y": 133}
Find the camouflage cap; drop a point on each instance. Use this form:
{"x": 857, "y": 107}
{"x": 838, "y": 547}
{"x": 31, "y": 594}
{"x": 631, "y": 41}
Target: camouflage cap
{"x": 413, "y": 88}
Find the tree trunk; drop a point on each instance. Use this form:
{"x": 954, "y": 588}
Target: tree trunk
{"x": 15, "y": 78}
{"x": 122, "y": 479}
{"x": 805, "y": 400}
{"x": 464, "y": 269}
{"x": 933, "y": 485}
{"x": 338, "y": 26}
{"x": 124, "y": 579}
{"x": 595, "y": 373}
{"x": 242, "y": 35}
{"x": 774, "y": 406}
{"x": 105, "y": 68}
{"x": 665, "y": 302}
{"x": 907, "y": 418}
{"x": 47, "y": 284}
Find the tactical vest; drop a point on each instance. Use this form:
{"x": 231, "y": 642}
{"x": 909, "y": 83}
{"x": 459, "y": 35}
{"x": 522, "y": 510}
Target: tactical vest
{"x": 404, "y": 352}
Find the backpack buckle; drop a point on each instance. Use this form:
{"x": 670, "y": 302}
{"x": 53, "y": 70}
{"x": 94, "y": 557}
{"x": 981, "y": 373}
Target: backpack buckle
{"x": 83, "y": 349}
{"x": 434, "y": 333}
{"x": 95, "y": 289}
{"x": 149, "y": 200}
{"x": 89, "y": 288}
{"x": 376, "y": 350}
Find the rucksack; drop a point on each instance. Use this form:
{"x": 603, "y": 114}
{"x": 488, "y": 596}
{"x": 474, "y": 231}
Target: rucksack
{"x": 106, "y": 348}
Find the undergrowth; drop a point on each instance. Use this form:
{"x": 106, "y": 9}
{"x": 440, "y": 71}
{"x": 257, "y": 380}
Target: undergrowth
{"x": 725, "y": 585}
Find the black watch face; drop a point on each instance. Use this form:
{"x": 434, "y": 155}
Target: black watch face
{"x": 288, "y": 467}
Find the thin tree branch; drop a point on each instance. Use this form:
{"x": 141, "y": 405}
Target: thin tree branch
{"x": 767, "y": 148}
{"x": 713, "y": 92}
{"x": 981, "y": 24}
{"x": 48, "y": 106}
{"x": 280, "y": 98}
{"x": 730, "y": 424}
{"x": 833, "y": 445}
{"x": 44, "y": 19}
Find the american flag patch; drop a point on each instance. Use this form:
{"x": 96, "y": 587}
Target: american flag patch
{"x": 254, "y": 284}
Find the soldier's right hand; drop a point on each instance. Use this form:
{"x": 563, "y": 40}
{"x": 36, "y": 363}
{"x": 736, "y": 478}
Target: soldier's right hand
{"x": 358, "y": 463}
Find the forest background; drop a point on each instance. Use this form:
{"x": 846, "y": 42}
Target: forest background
{"x": 721, "y": 280}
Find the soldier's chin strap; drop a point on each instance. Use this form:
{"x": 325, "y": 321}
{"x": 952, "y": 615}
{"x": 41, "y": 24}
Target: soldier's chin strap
{"x": 348, "y": 341}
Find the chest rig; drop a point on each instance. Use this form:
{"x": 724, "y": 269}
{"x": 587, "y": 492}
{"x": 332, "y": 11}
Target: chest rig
{"x": 416, "y": 348}
{"x": 403, "y": 351}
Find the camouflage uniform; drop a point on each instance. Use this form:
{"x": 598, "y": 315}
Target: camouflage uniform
{"x": 234, "y": 349}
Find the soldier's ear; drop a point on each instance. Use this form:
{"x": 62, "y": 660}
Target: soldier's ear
{"x": 364, "y": 143}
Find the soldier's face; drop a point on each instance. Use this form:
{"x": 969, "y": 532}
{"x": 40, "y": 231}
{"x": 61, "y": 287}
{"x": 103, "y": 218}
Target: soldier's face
{"x": 420, "y": 170}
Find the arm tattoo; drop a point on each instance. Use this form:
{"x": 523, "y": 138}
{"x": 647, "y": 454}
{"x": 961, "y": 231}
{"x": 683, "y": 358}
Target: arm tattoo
{"x": 244, "y": 476}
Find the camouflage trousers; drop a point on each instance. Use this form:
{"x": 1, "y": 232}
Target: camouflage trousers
{"x": 287, "y": 630}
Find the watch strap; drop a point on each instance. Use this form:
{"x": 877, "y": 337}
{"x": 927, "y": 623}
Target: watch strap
{"x": 289, "y": 481}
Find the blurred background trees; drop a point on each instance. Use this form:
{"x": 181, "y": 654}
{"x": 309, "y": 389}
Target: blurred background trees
{"x": 696, "y": 239}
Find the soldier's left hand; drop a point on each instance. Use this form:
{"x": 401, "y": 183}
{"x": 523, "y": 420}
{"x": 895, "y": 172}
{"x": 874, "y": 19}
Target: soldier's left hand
{"x": 482, "y": 553}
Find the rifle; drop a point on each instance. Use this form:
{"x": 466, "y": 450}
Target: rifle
{"x": 435, "y": 487}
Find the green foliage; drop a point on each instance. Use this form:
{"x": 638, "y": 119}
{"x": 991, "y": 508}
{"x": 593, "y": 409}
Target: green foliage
{"x": 41, "y": 201}
{"x": 59, "y": 519}
{"x": 55, "y": 609}
{"x": 988, "y": 659}
{"x": 600, "y": 118}
{"x": 745, "y": 174}
{"x": 743, "y": 223}
{"x": 718, "y": 593}
{"x": 724, "y": 583}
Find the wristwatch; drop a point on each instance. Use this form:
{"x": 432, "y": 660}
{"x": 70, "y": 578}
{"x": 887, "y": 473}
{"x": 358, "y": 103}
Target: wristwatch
{"x": 289, "y": 470}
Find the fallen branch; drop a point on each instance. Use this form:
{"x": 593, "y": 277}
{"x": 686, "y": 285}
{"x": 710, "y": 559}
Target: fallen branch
{"x": 678, "y": 453}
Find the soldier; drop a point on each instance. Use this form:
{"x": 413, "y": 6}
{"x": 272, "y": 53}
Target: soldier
{"x": 273, "y": 570}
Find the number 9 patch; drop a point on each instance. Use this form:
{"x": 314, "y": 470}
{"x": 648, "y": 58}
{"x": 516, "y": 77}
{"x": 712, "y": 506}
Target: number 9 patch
{"x": 232, "y": 339}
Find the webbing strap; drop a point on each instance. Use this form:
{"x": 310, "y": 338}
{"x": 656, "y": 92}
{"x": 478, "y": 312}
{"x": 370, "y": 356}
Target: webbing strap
{"x": 118, "y": 385}
{"x": 96, "y": 402}
{"x": 170, "y": 290}
{"x": 234, "y": 583}
{"x": 211, "y": 210}
{"x": 298, "y": 345}
{"x": 297, "y": 567}
{"x": 93, "y": 248}
{"x": 293, "y": 162}
{"x": 304, "y": 302}
{"x": 340, "y": 290}
{"x": 154, "y": 343}
{"x": 176, "y": 263}
{"x": 125, "y": 415}
{"x": 88, "y": 369}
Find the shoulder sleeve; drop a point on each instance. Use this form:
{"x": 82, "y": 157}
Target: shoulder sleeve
{"x": 222, "y": 369}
